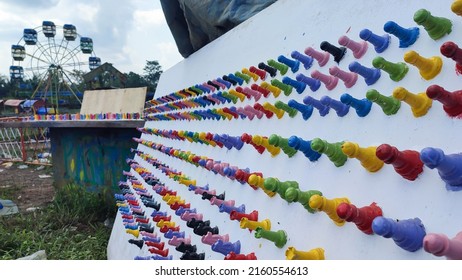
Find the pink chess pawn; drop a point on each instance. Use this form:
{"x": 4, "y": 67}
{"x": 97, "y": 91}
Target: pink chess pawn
{"x": 175, "y": 241}
{"x": 358, "y": 48}
{"x": 256, "y": 95}
{"x": 248, "y": 114}
{"x": 440, "y": 245}
{"x": 254, "y": 111}
{"x": 218, "y": 202}
{"x": 187, "y": 216}
{"x": 321, "y": 57}
{"x": 329, "y": 81}
{"x": 211, "y": 238}
{"x": 201, "y": 191}
{"x": 348, "y": 78}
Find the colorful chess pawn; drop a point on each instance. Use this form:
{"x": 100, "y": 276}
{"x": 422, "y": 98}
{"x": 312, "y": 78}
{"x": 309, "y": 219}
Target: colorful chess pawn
{"x": 282, "y": 143}
{"x": 274, "y": 185}
{"x": 406, "y": 36}
{"x": 428, "y": 67}
{"x": 436, "y": 27}
{"x": 420, "y": 103}
{"x": 452, "y": 101}
{"x": 406, "y": 163}
{"x": 396, "y": 71}
{"x": 366, "y": 156}
{"x": 328, "y": 206}
{"x": 252, "y": 225}
{"x": 440, "y": 245}
{"x": 332, "y": 150}
{"x": 279, "y": 238}
{"x": 449, "y": 166}
{"x": 362, "y": 217}
{"x": 302, "y": 197}
{"x": 389, "y": 104}
{"x": 313, "y": 254}
{"x": 263, "y": 141}
{"x": 407, "y": 234}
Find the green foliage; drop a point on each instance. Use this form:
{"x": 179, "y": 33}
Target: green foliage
{"x": 71, "y": 227}
{"x": 152, "y": 72}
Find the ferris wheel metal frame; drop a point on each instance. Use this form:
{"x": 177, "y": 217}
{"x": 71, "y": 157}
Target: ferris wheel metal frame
{"x": 53, "y": 60}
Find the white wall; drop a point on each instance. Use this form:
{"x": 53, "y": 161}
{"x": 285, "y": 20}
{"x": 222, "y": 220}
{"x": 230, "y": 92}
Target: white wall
{"x": 291, "y": 25}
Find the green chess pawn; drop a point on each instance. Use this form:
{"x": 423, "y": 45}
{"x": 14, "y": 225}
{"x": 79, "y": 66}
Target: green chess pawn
{"x": 283, "y": 106}
{"x": 332, "y": 150}
{"x": 397, "y": 71}
{"x": 283, "y": 143}
{"x": 274, "y": 185}
{"x": 279, "y": 238}
{"x": 390, "y": 105}
{"x": 302, "y": 197}
{"x": 436, "y": 27}
{"x": 287, "y": 89}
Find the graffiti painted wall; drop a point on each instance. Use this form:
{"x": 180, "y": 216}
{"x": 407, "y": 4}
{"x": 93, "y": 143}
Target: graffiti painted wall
{"x": 90, "y": 157}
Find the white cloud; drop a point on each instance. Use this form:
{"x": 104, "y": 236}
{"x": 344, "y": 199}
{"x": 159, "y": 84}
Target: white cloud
{"x": 149, "y": 17}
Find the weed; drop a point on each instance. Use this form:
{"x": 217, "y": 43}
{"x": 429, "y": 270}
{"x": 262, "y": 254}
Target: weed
{"x": 71, "y": 227}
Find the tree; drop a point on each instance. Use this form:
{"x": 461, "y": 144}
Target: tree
{"x": 135, "y": 80}
{"x": 152, "y": 72}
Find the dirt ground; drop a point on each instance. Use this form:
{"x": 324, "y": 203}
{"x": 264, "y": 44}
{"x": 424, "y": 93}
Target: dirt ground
{"x": 27, "y": 187}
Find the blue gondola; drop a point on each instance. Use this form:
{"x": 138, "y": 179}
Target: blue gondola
{"x": 30, "y": 36}
{"x": 16, "y": 72}
{"x": 49, "y": 29}
{"x": 70, "y": 32}
{"x": 94, "y": 62}
{"x": 18, "y": 52}
{"x": 86, "y": 44}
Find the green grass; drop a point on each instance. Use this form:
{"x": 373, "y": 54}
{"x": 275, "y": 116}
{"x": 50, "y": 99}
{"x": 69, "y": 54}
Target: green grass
{"x": 70, "y": 228}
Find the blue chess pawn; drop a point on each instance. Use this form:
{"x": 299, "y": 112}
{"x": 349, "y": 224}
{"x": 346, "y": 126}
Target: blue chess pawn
{"x": 407, "y": 234}
{"x": 449, "y": 166}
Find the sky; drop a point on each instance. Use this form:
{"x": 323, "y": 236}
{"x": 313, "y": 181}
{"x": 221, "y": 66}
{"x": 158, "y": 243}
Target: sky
{"x": 125, "y": 33}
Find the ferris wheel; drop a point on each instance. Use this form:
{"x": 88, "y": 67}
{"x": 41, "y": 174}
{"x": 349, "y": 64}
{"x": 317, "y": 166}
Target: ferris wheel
{"x": 53, "y": 56}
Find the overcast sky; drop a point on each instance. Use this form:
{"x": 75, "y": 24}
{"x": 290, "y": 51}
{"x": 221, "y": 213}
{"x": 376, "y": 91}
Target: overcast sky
{"x": 125, "y": 33}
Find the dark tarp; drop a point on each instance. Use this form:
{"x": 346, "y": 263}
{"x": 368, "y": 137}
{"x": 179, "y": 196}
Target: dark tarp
{"x": 195, "y": 23}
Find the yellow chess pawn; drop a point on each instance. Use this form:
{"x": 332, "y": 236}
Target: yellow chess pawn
{"x": 270, "y": 107}
{"x": 420, "y": 103}
{"x": 252, "y": 225}
{"x": 133, "y": 232}
{"x": 274, "y": 90}
{"x": 251, "y": 74}
{"x": 162, "y": 223}
{"x": 314, "y": 254}
{"x": 328, "y": 206}
{"x": 224, "y": 114}
{"x": 258, "y": 181}
{"x": 237, "y": 94}
{"x": 262, "y": 141}
{"x": 174, "y": 199}
{"x": 203, "y": 137}
{"x": 187, "y": 182}
{"x": 428, "y": 67}
{"x": 456, "y": 7}
{"x": 366, "y": 156}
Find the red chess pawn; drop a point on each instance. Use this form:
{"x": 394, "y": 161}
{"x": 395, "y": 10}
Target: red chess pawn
{"x": 157, "y": 218}
{"x": 451, "y": 50}
{"x": 252, "y": 216}
{"x": 362, "y": 217}
{"x": 246, "y": 138}
{"x": 407, "y": 163}
{"x": 164, "y": 229}
{"x": 157, "y": 245}
{"x": 452, "y": 101}
{"x": 163, "y": 253}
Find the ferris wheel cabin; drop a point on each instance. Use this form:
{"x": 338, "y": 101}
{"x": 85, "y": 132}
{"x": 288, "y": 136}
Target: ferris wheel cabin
{"x": 86, "y": 45}
{"x": 30, "y": 36}
{"x": 70, "y": 32}
{"x": 94, "y": 62}
{"x": 49, "y": 29}
{"x": 16, "y": 72}
{"x": 18, "y": 52}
